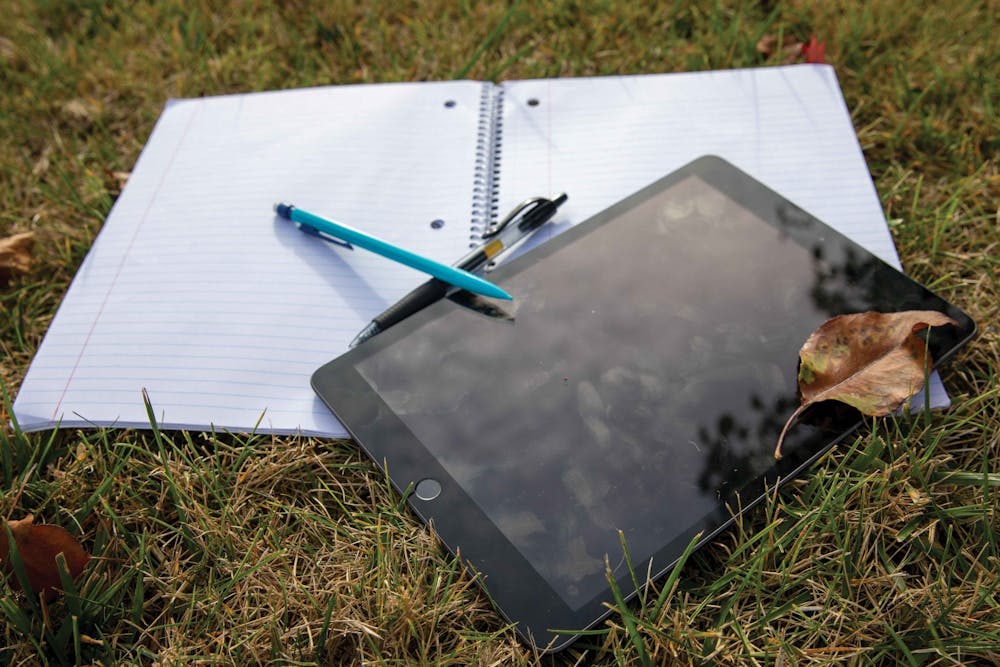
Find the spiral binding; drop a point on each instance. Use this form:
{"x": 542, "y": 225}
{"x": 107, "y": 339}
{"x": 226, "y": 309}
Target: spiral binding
{"x": 489, "y": 137}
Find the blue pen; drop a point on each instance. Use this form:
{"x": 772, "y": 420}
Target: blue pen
{"x": 343, "y": 235}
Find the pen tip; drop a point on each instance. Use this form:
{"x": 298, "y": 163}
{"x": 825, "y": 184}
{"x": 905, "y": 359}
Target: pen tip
{"x": 283, "y": 210}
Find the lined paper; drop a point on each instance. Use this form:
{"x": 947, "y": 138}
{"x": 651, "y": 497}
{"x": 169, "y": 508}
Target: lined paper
{"x": 195, "y": 292}
{"x": 786, "y": 126}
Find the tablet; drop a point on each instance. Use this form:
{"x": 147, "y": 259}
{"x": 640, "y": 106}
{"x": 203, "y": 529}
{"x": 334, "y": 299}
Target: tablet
{"x": 633, "y": 391}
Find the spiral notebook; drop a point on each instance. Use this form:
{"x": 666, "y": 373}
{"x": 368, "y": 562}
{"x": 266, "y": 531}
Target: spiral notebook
{"x": 196, "y": 296}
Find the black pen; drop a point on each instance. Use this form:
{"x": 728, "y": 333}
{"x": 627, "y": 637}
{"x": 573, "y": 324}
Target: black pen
{"x": 524, "y": 219}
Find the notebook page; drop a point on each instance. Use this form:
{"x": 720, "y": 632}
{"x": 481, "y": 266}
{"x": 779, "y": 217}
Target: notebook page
{"x": 195, "y": 292}
{"x": 601, "y": 139}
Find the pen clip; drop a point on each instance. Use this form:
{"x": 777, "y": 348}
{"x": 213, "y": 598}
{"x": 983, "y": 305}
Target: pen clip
{"x": 517, "y": 211}
{"x": 326, "y": 237}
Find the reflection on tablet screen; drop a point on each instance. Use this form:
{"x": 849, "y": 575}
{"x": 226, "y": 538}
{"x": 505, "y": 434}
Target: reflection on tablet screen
{"x": 613, "y": 402}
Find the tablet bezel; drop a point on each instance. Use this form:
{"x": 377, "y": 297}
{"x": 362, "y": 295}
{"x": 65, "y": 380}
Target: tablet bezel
{"x": 538, "y": 612}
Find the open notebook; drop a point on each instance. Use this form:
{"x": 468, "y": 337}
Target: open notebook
{"x": 196, "y": 293}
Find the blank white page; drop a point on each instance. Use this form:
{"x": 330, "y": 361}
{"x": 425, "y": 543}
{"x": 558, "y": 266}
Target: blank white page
{"x": 197, "y": 293}
{"x": 601, "y": 139}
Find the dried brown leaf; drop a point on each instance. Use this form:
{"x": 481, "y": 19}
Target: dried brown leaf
{"x": 38, "y": 546}
{"x": 871, "y": 361}
{"x": 790, "y": 51}
{"x": 117, "y": 180}
{"x": 767, "y": 44}
{"x": 15, "y": 255}
{"x": 78, "y": 108}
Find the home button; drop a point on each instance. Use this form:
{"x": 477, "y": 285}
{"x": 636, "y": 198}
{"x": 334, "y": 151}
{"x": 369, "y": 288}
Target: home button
{"x": 427, "y": 489}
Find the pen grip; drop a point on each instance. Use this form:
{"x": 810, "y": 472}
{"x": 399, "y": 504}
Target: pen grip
{"x": 421, "y": 297}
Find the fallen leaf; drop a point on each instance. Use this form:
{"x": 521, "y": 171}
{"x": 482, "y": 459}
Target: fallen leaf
{"x": 766, "y": 44}
{"x": 790, "y": 50}
{"x": 82, "y": 109}
{"x": 118, "y": 180}
{"x": 814, "y": 51}
{"x": 15, "y": 255}
{"x": 38, "y": 546}
{"x": 870, "y": 361}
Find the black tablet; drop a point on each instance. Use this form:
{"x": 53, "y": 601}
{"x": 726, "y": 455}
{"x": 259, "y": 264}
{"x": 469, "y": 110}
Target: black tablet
{"x": 635, "y": 387}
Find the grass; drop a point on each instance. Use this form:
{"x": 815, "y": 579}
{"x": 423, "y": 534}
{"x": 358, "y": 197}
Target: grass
{"x": 225, "y": 549}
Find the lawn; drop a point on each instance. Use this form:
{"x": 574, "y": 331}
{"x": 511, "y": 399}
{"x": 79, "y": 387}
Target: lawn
{"x": 255, "y": 549}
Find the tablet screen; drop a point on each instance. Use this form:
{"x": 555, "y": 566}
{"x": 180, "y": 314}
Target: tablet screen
{"x": 635, "y": 387}
{"x": 636, "y": 376}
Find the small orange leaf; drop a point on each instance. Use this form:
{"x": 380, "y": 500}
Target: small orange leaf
{"x": 38, "y": 546}
{"x": 871, "y": 361}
